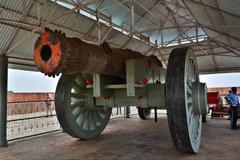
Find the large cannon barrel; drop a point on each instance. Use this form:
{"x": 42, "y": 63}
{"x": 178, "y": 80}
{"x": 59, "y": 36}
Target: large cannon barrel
{"x": 55, "y": 53}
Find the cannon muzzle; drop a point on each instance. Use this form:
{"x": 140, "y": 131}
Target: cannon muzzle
{"x": 55, "y": 53}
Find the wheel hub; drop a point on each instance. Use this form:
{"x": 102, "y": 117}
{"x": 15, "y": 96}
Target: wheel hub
{"x": 199, "y": 95}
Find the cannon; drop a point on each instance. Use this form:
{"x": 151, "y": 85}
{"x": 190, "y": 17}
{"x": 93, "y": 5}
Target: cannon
{"x": 96, "y": 78}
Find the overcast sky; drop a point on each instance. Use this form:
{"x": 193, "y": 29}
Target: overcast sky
{"x": 221, "y": 80}
{"x": 26, "y": 81}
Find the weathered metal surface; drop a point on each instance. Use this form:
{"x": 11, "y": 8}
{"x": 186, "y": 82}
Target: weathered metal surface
{"x": 79, "y": 96}
{"x": 55, "y": 53}
{"x": 3, "y": 100}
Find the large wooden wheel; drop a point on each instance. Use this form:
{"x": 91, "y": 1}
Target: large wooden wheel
{"x": 144, "y": 113}
{"x": 75, "y": 108}
{"x": 185, "y": 126}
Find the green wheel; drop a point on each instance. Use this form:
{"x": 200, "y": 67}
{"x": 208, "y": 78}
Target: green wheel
{"x": 185, "y": 126}
{"x": 75, "y": 108}
{"x": 144, "y": 113}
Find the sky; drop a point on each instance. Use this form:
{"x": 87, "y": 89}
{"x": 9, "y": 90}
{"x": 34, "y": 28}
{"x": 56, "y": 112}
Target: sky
{"x": 27, "y": 81}
{"x": 221, "y": 80}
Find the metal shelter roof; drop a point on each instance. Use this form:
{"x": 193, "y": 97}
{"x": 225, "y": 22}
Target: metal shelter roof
{"x": 150, "y": 27}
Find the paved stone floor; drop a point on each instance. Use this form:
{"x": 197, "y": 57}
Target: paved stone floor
{"x": 128, "y": 139}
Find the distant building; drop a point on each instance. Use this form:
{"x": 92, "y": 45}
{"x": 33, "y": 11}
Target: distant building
{"x": 25, "y": 103}
{"x": 223, "y": 91}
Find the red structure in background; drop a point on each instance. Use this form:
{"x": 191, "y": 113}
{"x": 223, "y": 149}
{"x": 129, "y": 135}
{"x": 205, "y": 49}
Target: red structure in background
{"x": 26, "y": 97}
{"x": 218, "y": 110}
{"x": 26, "y": 103}
{"x": 212, "y": 97}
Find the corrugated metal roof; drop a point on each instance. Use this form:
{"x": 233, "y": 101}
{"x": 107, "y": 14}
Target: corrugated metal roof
{"x": 161, "y": 21}
{"x": 6, "y": 35}
{"x": 217, "y": 14}
{"x": 26, "y": 48}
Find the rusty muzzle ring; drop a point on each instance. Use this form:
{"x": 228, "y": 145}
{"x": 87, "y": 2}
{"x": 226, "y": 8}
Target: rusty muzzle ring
{"x": 47, "y": 53}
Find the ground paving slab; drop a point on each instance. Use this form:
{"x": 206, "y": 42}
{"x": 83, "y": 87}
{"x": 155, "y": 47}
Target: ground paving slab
{"x": 128, "y": 139}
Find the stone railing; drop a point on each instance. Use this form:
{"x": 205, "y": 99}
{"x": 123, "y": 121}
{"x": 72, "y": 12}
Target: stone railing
{"x": 28, "y": 107}
{"x": 29, "y": 118}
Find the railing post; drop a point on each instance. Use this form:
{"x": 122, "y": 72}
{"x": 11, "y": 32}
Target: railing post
{"x": 127, "y": 112}
{"x": 3, "y": 100}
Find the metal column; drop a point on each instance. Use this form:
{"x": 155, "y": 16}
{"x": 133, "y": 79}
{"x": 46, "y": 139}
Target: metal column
{"x": 127, "y": 112}
{"x": 3, "y": 100}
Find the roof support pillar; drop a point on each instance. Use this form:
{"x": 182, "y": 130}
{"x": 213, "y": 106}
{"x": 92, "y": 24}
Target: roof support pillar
{"x": 3, "y": 100}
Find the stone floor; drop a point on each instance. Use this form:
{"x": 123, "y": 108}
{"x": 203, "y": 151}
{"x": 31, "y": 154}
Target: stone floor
{"x": 128, "y": 139}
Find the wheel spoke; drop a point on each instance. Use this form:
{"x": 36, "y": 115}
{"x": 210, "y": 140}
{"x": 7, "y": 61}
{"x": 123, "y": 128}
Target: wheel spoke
{"x": 190, "y": 115}
{"x": 102, "y": 113}
{"x": 89, "y": 120}
{"x": 76, "y": 112}
{"x": 79, "y": 119}
{"x": 80, "y": 81}
{"x": 195, "y": 126}
{"x": 78, "y": 103}
{"x": 78, "y": 95}
{"x": 92, "y": 121}
{"x": 77, "y": 85}
{"x": 98, "y": 119}
{"x": 189, "y": 89}
{"x": 85, "y": 122}
{"x": 189, "y": 100}
{"x": 77, "y": 88}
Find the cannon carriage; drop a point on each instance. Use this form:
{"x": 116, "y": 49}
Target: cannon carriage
{"x": 97, "y": 78}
